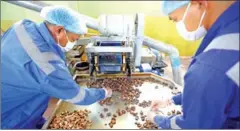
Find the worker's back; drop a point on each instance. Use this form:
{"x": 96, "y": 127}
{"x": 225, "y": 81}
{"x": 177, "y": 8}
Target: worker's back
{"x": 218, "y": 56}
{"x": 22, "y": 95}
{"x": 210, "y": 98}
{"x": 34, "y": 68}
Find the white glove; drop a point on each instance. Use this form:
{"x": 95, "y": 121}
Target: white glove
{"x": 160, "y": 104}
{"x": 108, "y": 92}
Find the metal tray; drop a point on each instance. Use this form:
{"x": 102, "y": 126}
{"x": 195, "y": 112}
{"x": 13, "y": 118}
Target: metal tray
{"x": 127, "y": 121}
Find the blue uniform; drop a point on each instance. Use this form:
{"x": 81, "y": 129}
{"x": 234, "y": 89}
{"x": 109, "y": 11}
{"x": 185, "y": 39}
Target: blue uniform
{"x": 34, "y": 68}
{"x": 210, "y": 99}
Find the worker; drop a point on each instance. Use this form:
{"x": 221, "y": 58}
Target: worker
{"x": 210, "y": 97}
{"x": 33, "y": 67}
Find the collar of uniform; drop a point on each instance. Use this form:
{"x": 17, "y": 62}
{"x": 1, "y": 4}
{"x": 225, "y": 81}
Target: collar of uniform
{"x": 227, "y": 16}
{"x": 49, "y": 39}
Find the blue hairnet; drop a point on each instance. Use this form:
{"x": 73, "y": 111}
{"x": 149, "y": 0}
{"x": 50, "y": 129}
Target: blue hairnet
{"x": 169, "y": 6}
{"x": 62, "y": 16}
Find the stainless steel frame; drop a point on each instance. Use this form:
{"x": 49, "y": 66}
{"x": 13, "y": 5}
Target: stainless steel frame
{"x": 123, "y": 122}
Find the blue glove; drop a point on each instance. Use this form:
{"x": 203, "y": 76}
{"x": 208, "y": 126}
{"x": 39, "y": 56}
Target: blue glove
{"x": 162, "y": 122}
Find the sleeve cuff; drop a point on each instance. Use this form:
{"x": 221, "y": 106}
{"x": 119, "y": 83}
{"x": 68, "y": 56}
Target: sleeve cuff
{"x": 161, "y": 122}
{"x": 177, "y": 99}
{"x": 92, "y": 95}
{"x": 103, "y": 92}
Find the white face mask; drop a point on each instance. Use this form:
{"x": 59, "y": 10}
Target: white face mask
{"x": 193, "y": 35}
{"x": 68, "y": 46}
{"x": 62, "y": 48}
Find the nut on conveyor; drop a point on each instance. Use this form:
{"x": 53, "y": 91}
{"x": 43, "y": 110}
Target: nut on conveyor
{"x": 136, "y": 118}
{"x": 122, "y": 85}
{"x": 129, "y": 94}
{"x": 110, "y": 125}
{"x": 133, "y": 108}
{"x": 105, "y": 109}
{"x": 71, "y": 120}
{"x": 149, "y": 125}
{"x": 178, "y": 112}
{"x": 171, "y": 87}
{"x": 139, "y": 125}
{"x": 142, "y": 118}
{"x": 123, "y": 112}
{"x": 101, "y": 115}
{"x": 109, "y": 114}
{"x": 114, "y": 115}
{"x": 112, "y": 122}
{"x": 145, "y": 104}
{"x": 169, "y": 113}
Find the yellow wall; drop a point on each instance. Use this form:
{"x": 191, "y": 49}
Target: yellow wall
{"x": 157, "y": 26}
{"x": 161, "y": 28}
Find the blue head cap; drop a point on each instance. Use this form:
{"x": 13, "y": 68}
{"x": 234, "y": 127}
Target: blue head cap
{"x": 168, "y": 6}
{"x": 62, "y": 16}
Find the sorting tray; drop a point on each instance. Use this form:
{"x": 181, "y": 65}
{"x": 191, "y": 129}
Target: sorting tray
{"x": 127, "y": 121}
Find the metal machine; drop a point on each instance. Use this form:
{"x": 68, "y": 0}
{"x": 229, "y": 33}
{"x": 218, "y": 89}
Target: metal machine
{"x": 106, "y": 55}
{"x": 113, "y": 52}
{"x": 119, "y": 47}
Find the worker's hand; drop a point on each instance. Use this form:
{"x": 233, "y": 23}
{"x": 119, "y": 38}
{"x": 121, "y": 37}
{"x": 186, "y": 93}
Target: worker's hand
{"x": 160, "y": 104}
{"x": 108, "y": 92}
{"x": 160, "y": 120}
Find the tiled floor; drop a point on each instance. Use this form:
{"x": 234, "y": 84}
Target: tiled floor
{"x": 185, "y": 63}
